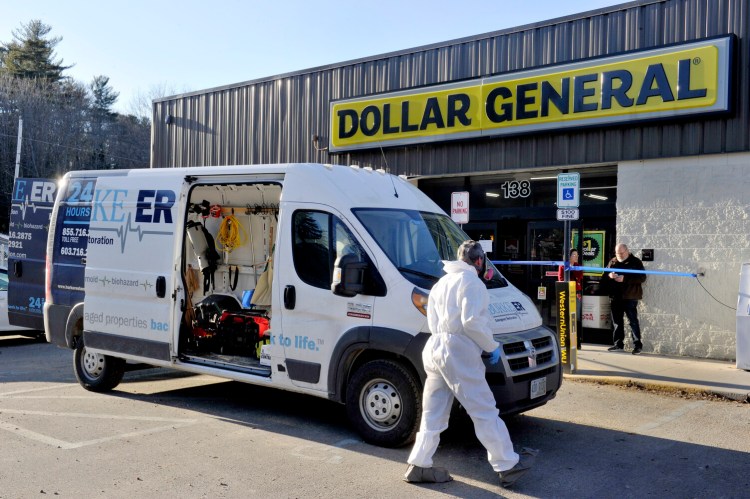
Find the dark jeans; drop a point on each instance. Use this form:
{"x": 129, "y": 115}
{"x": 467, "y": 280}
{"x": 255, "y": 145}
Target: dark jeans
{"x": 629, "y": 308}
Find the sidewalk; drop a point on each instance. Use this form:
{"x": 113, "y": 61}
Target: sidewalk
{"x": 713, "y": 377}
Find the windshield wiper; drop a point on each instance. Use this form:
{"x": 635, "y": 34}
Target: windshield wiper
{"x": 418, "y": 273}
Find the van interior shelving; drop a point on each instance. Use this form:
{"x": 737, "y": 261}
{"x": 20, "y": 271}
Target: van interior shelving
{"x": 225, "y": 323}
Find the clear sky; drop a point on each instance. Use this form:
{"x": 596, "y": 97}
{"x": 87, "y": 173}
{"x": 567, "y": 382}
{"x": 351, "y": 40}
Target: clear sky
{"x": 192, "y": 45}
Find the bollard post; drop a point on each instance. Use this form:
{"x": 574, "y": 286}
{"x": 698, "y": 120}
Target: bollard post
{"x": 567, "y": 329}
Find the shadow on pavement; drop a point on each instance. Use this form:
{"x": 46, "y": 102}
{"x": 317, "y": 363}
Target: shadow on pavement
{"x": 623, "y": 465}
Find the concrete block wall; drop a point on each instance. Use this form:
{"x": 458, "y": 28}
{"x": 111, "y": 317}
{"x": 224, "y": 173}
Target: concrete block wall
{"x": 694, "y": 212}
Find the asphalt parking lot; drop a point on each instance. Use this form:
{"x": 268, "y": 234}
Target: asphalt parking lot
{"x": 170, "y": 434}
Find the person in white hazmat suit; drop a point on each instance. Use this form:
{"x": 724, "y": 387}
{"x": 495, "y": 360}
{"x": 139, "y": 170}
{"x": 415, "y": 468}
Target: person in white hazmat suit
{"x": 459, "y": 320}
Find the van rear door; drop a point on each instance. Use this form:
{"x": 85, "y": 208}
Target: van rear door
{"x": 30, "y": 211}
{"x": 130, "y": 277}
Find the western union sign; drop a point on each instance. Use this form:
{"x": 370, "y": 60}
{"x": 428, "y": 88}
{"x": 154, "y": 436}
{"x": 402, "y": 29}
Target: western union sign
{"x": 678, "y": 80}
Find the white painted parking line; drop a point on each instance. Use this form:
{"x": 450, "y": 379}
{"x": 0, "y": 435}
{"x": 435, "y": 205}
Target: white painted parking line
{"x": 325, "y": 453}
{"x": 40, "y": 389}
{"x": 173, "y": 423}
{"x": 668, "y": 418}
{"x": 31, "y": 435}
{"x": 95, "y": 416}
{"x": 50, "y": 397}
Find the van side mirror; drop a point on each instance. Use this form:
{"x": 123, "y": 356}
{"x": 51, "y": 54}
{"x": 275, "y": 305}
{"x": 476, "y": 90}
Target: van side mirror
{"x": 348, "y": 275}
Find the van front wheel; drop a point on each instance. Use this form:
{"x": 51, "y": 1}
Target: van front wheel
{"x": 383, "y": 403}
{"x": 96, "y": 372}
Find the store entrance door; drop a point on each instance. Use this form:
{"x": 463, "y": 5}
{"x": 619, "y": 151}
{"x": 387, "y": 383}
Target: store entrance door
{"x": 545, "y": 241}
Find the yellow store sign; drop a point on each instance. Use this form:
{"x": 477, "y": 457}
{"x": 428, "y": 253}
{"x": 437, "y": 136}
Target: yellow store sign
{"x": 678, "y": 80}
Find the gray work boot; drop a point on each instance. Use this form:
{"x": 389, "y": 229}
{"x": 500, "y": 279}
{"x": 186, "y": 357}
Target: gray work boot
{"x": 417, "y": 474}
{"x": 526, "y": 461}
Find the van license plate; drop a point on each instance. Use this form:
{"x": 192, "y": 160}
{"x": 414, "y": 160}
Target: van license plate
{"x": 538, "y": 387}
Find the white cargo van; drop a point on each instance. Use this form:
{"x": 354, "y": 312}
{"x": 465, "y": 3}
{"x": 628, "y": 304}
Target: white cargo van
{"x": 306, "y": 277}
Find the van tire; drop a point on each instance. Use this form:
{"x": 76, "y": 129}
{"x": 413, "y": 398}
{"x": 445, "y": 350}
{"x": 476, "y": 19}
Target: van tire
{"x": 96, "y": 372}
{"x": 383, "y": 402}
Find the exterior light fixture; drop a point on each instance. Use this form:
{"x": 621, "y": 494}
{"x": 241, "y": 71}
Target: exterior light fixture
{"x": 492, "y": 194}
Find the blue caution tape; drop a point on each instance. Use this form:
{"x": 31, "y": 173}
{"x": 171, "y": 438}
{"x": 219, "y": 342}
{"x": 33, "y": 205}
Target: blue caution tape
{"x": 593, "y": 269}
{"x": 526, "y": 262}
{"x": 630, "y": 271}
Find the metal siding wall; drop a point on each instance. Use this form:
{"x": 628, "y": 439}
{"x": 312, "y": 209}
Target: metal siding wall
{"x": 273, "y": 120}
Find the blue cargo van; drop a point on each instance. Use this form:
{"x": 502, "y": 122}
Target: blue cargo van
{"x": 31, "y": 207}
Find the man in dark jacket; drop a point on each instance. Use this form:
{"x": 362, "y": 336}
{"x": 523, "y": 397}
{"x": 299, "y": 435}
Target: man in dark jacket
{"x": 624, "y": 290}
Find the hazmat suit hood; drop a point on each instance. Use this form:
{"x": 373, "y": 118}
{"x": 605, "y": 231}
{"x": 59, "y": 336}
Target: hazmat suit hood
{"x": 453, "y": 266}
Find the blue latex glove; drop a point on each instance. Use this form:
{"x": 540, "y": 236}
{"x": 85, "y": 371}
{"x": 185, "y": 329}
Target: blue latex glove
{"x": 495, "y": 356}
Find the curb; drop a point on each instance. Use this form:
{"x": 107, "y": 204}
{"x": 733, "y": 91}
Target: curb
{"x": 743, "y": 397}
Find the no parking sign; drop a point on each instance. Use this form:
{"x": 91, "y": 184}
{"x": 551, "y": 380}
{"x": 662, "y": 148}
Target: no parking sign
{"x": 460, "y": 207}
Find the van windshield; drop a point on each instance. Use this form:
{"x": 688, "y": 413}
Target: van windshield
{"x": 416, "y": 243}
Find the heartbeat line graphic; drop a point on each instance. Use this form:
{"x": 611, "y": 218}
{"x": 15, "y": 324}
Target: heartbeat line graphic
{"x": 26, "y": 204}
{"x": 123, "y": 231}
{"x": 104, "y": 280}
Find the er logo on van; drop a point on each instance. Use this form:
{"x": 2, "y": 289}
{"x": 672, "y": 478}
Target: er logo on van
{"x": 40, "y": 191}
{"x": 158, "y": 201}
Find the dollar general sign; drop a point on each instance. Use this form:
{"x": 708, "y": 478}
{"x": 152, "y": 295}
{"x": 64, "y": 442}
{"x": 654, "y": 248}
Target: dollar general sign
{"x": 678, "y": 80}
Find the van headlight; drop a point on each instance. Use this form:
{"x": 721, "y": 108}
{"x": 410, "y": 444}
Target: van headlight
{"x": 419, "y": 299}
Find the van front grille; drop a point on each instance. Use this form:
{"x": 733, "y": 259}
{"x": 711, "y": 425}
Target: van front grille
{"x": 530, "y": 355}
{"x": 512, "y": 348}
{"x": 541, "y": 342}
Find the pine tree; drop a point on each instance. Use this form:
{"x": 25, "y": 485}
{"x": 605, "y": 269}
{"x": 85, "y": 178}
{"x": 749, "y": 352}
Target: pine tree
{"x": 31, "y": 54}
{"x": 104, "y": 96}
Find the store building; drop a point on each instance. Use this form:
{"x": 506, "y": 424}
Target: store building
{"x": 648, "y": 101}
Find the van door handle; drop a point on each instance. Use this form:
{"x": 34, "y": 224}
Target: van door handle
{"x": 161, "y": 286}
{"x": 17, "y": 268}
{"x": 290, "y": 297}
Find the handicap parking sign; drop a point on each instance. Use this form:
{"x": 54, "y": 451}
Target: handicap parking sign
{"x": 568, "y": 187}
